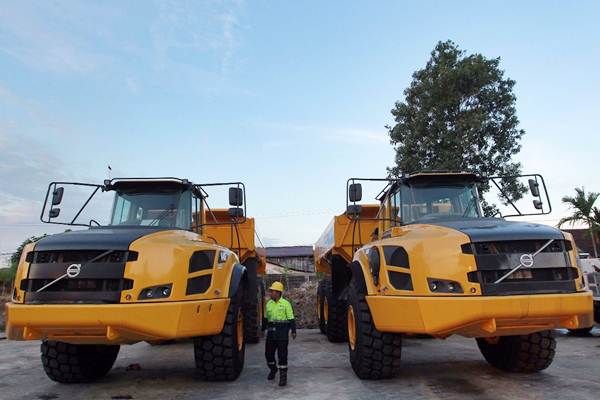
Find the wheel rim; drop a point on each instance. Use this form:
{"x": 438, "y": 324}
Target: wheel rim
{"x": 351, "y": 328}
{"x": 325, "y": 310}
{"x": 319, "y": 307}
{"x": 240, "y": 331}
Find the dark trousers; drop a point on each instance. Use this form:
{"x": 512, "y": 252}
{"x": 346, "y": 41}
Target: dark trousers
{"x": 281, "y": 346}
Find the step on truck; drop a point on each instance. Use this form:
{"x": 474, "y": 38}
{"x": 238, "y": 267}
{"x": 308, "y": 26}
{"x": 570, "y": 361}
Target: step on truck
{"x": 424, "y": 261}
{"x": 165, "y": 267}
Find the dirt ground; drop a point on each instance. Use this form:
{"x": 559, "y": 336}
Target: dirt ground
{"x": 304, "y": 302}
{"x": 319, "y": 370}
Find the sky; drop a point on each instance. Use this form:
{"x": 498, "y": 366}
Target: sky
{"x": 291, "y": 98}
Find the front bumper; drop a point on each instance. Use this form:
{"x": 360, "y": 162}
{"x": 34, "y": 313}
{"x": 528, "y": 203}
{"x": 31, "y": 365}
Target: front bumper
{"x": 481, "y": 316}
{"x": 115, "y": 323}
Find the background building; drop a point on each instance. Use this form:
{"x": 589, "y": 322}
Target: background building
{"x": 583, "y": 240}
{"x": 299, "y": 258}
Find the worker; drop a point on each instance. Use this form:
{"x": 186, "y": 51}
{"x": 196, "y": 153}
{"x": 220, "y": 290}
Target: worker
{"x": 278, "y": 321}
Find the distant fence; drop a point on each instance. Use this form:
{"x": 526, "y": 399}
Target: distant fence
{"x": 289, "y": 281}
{"x": 304, "y": 264}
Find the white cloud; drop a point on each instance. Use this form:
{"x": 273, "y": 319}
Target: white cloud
{"x": 333, "y": 135}
{"x": 198, "y": 28}
{"x": 64, "y": 37}
{"x": 36, "y": 35}
{"x": 359, "y": 136}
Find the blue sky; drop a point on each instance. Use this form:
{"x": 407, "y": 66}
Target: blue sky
{"x": 289, "y": 97}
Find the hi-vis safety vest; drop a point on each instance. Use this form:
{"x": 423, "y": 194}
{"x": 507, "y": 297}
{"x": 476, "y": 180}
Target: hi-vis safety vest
{"x": 279, "y": 319}
{"x": 280, "y": 311}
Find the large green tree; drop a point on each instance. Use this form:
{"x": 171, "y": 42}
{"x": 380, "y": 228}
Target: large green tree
{"x": 458, "y": 114}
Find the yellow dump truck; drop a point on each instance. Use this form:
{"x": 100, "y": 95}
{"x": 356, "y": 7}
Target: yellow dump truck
{"x": 167, "y": 266}
{"x": 425, "y": 261}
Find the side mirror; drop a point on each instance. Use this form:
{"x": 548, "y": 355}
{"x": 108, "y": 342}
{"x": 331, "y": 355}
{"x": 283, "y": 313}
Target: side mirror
{"x": 54, "y": 212}
{"x": 538, "y": 204}
{"x": 236, "y": 196}
{"x": 57, "y": 195}
{"x": 355, "y": 192}
{"x": 534, "y": 187}
{"x": 236, "y": 212}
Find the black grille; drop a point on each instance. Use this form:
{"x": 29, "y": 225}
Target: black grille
{"x": 551, "y": 272}
{"x": 80, "y": 256}
{"x": 400, "y": 280}
{"x": 77, "y": 285}
{"x": 200, "y": 260}
{"x": 99, "y": 280}
{"x": 520, "y": 246}
{"x": 199, "y": 284}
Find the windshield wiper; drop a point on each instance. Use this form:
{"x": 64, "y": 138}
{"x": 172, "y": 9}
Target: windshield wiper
{"x": 468, "y": 210}
{"x": 162, "y": 215}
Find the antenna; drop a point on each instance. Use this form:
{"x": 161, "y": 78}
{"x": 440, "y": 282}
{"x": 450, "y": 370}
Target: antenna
{"x": 109, "y": 171}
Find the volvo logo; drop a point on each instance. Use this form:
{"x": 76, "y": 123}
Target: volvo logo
{"x": 526, "y": 260}
{"x": 73, "y": 270}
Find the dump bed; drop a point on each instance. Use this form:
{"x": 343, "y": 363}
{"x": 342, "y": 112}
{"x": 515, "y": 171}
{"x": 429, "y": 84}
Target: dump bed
{"x": 343, "y": 236}
{"x": 242, "y": 240}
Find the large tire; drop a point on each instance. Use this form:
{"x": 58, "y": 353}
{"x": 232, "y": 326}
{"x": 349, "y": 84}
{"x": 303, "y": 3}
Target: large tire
{"x": 320, "y": 310}
{"x": 77, "y": 363}
{"x": 253, "y": 313}
{"x": 336, "y": 322}
{"x": 373, "y": 354}
{"x": 221, "y": 357}
{"x": 581, "y": 332}
{"x": 521, "y": 353}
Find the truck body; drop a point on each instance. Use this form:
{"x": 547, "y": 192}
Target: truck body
{"x": 166, "y": 267}
{"x": 429, "y": 263}
{"x": 590, "y": 267}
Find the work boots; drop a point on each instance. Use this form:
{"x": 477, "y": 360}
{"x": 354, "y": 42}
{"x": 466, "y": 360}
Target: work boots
{"x": 282, "y": 376}
{"x": 272, "y": 373}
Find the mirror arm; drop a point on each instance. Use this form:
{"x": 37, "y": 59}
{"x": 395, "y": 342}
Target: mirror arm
{"x": 85, "y": 204}
{"x": 506, "y": 196}
{"x": 46, "y": 202}
{"x": 209, "y": 210}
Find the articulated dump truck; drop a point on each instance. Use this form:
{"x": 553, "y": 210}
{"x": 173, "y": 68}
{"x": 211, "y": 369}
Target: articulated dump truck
{"x": 166, "y": 267}
{"x": 424, "y": 261}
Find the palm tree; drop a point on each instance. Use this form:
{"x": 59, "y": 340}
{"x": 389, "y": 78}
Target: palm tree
{"x": 596, "y": 220}
{"x": 583, "y": 212}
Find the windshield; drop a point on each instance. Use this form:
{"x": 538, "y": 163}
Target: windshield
{"x": 416, "y": 203}
{"x": 171, "y": 209}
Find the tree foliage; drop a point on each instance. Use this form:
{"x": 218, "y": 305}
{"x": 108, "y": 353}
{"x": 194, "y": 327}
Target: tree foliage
{"x": 8, "y": 274}
{"x": 584, "y": 212}
{"x": 458, "y": 114}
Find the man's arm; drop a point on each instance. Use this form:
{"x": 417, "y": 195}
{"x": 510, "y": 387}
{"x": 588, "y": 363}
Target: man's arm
{"x": 264, "y": 318}
{"x": 290, "y": 316}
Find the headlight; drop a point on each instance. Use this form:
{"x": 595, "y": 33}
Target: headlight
{"x": 156, "y": 292}
{"x": 444, "y": 286}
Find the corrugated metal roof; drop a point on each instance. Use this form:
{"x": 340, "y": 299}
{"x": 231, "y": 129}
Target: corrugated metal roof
{"x": 290, "y": 251}
{"x": 583, "y": 240}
